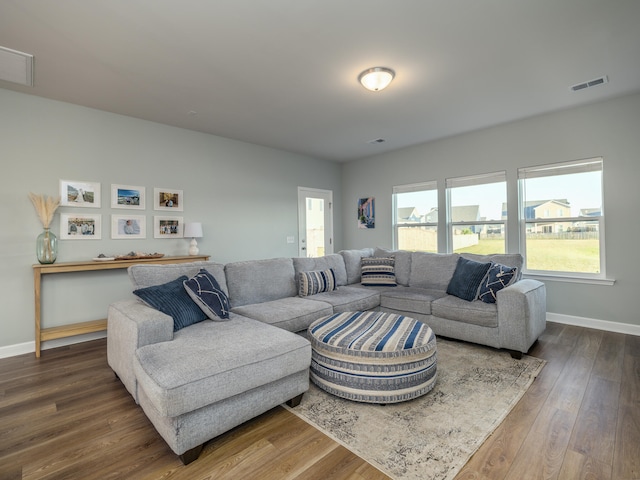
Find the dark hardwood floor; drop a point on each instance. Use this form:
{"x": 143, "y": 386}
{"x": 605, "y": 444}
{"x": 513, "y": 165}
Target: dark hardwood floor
{"x": 66, "y": 416}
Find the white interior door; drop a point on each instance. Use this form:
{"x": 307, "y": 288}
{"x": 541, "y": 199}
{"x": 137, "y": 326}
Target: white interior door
{"x": 315, "y": 222}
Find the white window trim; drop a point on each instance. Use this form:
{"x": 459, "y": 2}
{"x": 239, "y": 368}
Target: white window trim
{"x": 409, "y": 188}
{"x": 550, "y": 170}
{"x": 480, "y": 179}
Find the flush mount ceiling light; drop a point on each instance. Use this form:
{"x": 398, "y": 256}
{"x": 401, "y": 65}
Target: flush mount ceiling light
{"x": 376, "y": 78}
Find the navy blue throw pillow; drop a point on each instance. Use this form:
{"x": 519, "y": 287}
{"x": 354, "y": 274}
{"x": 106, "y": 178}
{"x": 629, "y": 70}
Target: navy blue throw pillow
{"x": 172, "y": 299}
{"x": 205, "y": 290}
{"x": 499, "y": 276}
{"x": 467, "y": 278}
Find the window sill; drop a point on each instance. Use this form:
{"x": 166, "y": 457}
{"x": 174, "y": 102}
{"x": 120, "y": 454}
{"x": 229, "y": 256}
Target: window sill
{"x": 569, "y": 279}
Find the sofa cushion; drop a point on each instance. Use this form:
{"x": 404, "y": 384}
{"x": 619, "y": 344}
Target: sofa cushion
{"x": 402, "y": 265}
{"x": 432, "y": 270}
{"x": 352, "y": 263}
{"x": 508, "y": 259}
{"x": 317, "y": 281}
{"x": 467, "y": 278}
{"x": 172, "y": 299}
{"x": 209, "y": 362}
{"x": 479, "y": 313}
{"x": 349, "y": 299}
{"x": 378, "y": 272}
{"x": 499, "y": 276}
{"x": 145, "y": 275}
{"x": 257, "y": 281}
{"x": 409, "y": 300}
{"x": 291, "y": 313}
{"x": 205, "y": 291}
{"x": 334, "y": 261}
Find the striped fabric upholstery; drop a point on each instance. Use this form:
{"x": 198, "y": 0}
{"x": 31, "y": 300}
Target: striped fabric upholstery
{"x": 317, "y": 281}
{"x": 378, "y": 272}
{"x": 373, "y": 357}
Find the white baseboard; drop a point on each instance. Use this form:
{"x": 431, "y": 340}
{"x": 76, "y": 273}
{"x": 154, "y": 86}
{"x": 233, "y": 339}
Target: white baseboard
{"x": 626, "y": 328}
{"x": 606, "y": 325}
{"x": 30, "y": 347}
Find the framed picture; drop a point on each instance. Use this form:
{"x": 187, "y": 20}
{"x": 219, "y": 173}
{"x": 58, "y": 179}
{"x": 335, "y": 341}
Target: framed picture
{"x": 127, "y": 196}
{"x": 167, "y": 227}
{"x": 78, "y": 226}
{"x": 367, "y": 212}
{"x": 128, "y": 226}
{"x": 79, "y": 194}
{"x": 167, "y": 199}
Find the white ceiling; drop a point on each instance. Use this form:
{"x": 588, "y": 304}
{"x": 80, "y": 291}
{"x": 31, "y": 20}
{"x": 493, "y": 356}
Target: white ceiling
{"x": 283, "y": 73}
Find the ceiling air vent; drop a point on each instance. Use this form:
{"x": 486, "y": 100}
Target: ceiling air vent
{"x": 591, "y": 83}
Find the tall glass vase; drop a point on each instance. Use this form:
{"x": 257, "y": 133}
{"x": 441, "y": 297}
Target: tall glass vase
{"x": 47, "y": 247}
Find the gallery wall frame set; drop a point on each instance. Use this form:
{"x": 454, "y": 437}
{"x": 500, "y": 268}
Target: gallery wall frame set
{"x": 86, "y": 194}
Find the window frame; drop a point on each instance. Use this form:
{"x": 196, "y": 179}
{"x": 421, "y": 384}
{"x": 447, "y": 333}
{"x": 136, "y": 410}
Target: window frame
{"x": 431, "y": 185}
{"x": 471, "y": 180}
{"x": 547, "y": 170}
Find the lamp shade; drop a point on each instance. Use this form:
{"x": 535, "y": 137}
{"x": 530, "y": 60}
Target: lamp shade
{"x": 193, "y": 230}
{"x": 376, "y": 78}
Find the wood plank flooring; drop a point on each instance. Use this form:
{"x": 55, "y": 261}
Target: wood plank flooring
{"x": 66, "y": 416}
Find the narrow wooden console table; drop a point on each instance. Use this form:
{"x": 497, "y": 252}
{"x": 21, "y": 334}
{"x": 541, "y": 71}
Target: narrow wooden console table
{"x": 43, "y": 334}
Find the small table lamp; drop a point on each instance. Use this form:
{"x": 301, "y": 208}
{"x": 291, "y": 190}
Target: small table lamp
{"x": 193, "y": 230}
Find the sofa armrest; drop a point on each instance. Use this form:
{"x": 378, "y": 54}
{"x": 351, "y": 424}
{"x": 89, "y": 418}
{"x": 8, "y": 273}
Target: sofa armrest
{"x": 522, "y": 314}
{"x": 130, "y": 325}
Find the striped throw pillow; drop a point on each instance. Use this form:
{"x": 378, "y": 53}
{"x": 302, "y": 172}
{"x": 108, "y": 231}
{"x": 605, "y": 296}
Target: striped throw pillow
{"x": 317, "y": 281}
{"x": 378, "y": 272}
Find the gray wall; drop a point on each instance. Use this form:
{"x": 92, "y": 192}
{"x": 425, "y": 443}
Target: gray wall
{"x": 610, "y": 129}
{"x": 245, "y": 196}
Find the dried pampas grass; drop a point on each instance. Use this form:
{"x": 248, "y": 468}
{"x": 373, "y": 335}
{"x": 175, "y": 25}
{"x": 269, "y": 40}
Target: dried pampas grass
{"x": 45, "y": 207}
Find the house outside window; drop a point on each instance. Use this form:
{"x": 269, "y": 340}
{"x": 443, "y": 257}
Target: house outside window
{"x": 477, "y": 213}
{"x": 415, "y": 217}
{"x": 572, "y": 242}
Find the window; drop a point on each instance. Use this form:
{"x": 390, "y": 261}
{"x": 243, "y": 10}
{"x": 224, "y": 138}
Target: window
{"x": 572, "y": 241}
{"x": 415, "y": 217}
{"x": 477, "y": 213}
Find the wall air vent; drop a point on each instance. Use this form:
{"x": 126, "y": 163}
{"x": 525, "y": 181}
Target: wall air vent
{"x": 591, "y": 83}
{"x": 16, "y": 67}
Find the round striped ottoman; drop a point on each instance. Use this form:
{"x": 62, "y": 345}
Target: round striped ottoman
{"x": 373, "y": 357}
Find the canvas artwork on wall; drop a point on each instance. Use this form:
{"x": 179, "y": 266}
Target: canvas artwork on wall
{"x": 367, "y": 212}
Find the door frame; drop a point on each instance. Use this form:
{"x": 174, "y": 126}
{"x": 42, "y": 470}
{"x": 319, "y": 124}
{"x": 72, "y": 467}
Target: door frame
{"x": 303, "y": 193}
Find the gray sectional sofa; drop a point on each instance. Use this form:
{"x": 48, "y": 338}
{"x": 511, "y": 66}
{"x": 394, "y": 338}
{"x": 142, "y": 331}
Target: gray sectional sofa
{"x": 206, "y": 378}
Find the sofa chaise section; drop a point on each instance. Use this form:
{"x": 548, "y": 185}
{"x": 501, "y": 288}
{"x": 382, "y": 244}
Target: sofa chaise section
{"x": 215, "y": 375}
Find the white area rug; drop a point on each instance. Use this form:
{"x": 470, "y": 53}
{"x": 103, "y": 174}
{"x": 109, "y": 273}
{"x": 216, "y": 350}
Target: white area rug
{"x": 433, "y": 436}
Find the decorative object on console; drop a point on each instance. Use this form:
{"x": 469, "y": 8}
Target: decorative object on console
{"x": 193, "y": 230}
{"x": 47, "y": 242}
